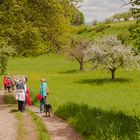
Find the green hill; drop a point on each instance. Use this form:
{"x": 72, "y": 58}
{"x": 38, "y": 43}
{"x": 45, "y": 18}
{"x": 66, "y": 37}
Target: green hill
{"x": 118, "y": 28}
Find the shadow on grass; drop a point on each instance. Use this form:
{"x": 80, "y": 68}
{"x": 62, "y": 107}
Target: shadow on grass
{"x": 14, "y": 110}
{"x": 98, "y": 124}
{"x": 103, "y": 81}
{"x": 70, "y": 72}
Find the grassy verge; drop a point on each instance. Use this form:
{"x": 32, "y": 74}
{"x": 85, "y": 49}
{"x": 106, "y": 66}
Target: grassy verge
{"x": 99, "y": 124}
{"x": 9, "y": 99}
{"x": 21, "y": 131}
{"x": 42, "y": 131}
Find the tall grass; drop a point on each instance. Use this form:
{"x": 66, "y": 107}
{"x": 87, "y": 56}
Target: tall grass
{"x": 99, "y": 124}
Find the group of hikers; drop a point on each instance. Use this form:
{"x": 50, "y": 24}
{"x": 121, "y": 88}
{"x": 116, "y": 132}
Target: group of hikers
{"x": 22, "y": 94}
{"x": 19, "y": 87}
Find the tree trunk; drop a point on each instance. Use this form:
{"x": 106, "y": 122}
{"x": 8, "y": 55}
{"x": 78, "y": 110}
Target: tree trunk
{"x": 113, "y": 74}
{"x": 81, "y": 65}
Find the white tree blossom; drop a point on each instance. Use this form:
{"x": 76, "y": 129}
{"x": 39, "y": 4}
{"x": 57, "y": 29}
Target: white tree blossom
{"x": 109, "y": 53}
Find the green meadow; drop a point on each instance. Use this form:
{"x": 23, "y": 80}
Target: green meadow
{"x": 98, "y": 108}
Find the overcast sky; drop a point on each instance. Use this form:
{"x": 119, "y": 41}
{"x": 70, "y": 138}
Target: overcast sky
{"x": 101, "y": 9}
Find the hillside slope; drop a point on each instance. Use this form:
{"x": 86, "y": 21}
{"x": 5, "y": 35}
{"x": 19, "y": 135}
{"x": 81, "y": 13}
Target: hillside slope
{"x": 120, "y": 29}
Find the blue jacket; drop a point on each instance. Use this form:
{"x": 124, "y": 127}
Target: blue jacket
{"x": 43, "y": 89}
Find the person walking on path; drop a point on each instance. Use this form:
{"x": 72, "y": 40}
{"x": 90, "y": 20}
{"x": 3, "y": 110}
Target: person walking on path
{"x": 43, "y": 89}
{"x": 20, "y": 96}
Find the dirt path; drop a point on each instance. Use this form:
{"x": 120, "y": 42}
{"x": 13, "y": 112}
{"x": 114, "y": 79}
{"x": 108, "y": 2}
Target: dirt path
{"x": 57, "y": 128}
{"x": 7, "y": 122}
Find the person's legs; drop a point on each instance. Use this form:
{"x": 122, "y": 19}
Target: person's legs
{"x": 9, "y": 89}
{"x": 18, "y": 105}
{"x": 41, "y": 103}
{"x": 24, "y": 104}
{"x": 5, "y": 87}
{"x": 44, "y": 102}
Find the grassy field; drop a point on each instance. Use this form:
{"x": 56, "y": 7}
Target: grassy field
{"x": 98, "y": 108}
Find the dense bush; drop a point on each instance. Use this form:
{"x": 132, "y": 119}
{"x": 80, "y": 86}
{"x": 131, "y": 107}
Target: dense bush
{"x": 82, "y": 29}
{"x": 101, "y": 27}
{"x": 124, "y": 37}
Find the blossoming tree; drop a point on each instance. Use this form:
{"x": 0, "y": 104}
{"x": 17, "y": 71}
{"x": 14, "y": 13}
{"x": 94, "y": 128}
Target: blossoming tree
{"x": 109, "y": 53}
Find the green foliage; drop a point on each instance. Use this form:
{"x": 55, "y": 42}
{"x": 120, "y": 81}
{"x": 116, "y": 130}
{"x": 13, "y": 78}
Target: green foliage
{"x": 101, "y": 27}
{"x": 124, "y": 37}
{"x": 72, "y": 13}
{"x": 82, "y": 29}
{"x": 5, "y": 53}
{"x": 135, "y": 29}
{"x": 27, "y": 24}
{"x": 135, "y": 9}
{"x": 135, "y": 35}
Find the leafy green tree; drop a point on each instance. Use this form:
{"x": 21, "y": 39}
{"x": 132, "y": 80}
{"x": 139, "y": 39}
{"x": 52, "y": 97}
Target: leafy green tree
{"x": 72, "y": 12}
{"x": 109, "y": 53}
{"x": 135, "y": 29}
{"x": 33, "y": 27}
{"x": 5, "y": 53}
{"x": 134, "y": 36}
{"x": 135, "y": 9}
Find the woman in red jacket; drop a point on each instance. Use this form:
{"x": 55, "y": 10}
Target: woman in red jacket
{"x": 28, "y": 97}
{"x": 9, "y": 84}
{"x": 5, "y": 83}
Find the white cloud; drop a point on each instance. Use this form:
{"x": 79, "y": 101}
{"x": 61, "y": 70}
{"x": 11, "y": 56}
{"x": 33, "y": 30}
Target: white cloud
{"x": 101, "y": 9}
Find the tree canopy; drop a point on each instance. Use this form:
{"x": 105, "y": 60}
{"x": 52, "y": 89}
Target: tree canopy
{"x": 72, "y": 13}
{"x": 33, "y": 27}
